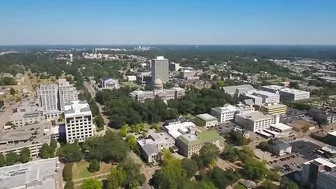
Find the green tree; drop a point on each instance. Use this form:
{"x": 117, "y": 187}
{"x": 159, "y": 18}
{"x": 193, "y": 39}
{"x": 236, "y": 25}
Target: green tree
{"x": 52, "y": 147}
{"x": 267, "y": 185}
{"x": 44, "y": 151}
{"x": 205, "y": 185}
{"x": 70, "y": 153}
{"x": 254, "y": 169}
{"x": 67, "y": 172}
{"x": 115, "y": 179}
{"x": 198, "y": 161}
{"x": 69, "y": 185}
{"x": 11, "y": 158}
{"x": 222, "y": 179}
{"x": 264, "y": 146}
{"x": 132, "y": 142}
{"x": 132, "y": 171}
{"x": 189, "y": 166}
{"x": 108, "y": 148}
{"x": 94, "y": 166}
{"x": 24, "y": 155}
{"x": 209, "y": 153}
{"x": 2, "y": 160}
{"x": 99, "y": 121}
{"x": 156, "y": 127}
{"x": 285, "y": 183}
{"x": 91, "y": 183}
{"x": 171, "y": 176}
{"x": 12, "y": 91}
{"x": 273, "y": 175}
{"x": 124, "y": 130}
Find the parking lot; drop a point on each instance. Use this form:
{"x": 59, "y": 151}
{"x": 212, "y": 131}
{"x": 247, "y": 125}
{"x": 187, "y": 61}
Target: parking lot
{"x": 288, "y": 163}
{"x": 305, "y": 148}
{"x": 302, "y": 151}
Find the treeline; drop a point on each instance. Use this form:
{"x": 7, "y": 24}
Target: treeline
{"x": 12, "y": 157}
{"x": 123, "y": 110}
{"x": 7, "y": 81}
{"x": 250, "y": 66}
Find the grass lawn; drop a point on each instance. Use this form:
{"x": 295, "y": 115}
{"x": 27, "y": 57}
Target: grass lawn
{"x": 79, "y": 170}
{"x": 239, "y": 186}
{"x": 130, "y": 84}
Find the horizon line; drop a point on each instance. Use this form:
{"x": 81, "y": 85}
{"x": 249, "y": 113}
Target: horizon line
{"x": 163, "y": 44}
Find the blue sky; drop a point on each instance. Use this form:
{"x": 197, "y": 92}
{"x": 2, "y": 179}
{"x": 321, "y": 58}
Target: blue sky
{"x": 168, "y": 22}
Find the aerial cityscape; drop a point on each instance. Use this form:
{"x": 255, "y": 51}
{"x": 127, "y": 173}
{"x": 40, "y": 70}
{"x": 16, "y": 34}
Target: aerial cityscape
{"x": 214, "y": 96}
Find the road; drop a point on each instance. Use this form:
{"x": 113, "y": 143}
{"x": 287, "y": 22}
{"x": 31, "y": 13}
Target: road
{"x": 92, "y": 91}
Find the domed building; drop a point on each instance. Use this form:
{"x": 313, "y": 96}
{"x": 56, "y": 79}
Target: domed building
{"x": 158, "y": 85}
{"x": 164, "y": 94}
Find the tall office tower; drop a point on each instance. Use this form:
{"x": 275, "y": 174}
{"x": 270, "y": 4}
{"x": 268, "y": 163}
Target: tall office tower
{"x": 78, "y": 121}
{"x": 71, "y": 57}
{"x": 67, "y": 93}
{"x": 160, "y": 68}
{"x": 48, "y": 100}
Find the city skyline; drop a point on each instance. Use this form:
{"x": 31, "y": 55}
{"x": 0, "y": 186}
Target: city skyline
{"x": 103, "y": 22}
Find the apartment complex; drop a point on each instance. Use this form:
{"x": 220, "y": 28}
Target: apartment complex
{"x": 67, "y": 93}
{"x": 254, "y": 121}
{"x": 160, "y": 68}
{"x": 78, "y": 121}
{"x": 319, "y": 173}
{"x": 287, "y": 93}
{"x": 273, "y": 108}
{"x": 48, "y": 100}
{"x": 190, "y": 144}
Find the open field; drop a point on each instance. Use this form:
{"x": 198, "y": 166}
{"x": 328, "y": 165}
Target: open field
{"x": 80, "y": 171}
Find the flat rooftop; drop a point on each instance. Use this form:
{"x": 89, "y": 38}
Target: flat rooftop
{"x": 76, "y": 107}
{"x": 206, "y": 117}
{"x": 177, "y": 129}
{"x": 255, "y": 115}
{"x": 226, "y": 108}
{"x": 24, "y": 136}
{"x": 273, "y": 87}
{"x": 332, "y": 133}
{"x": 321, "y": 161}
{"x": 281, "y": 126}
{"x": 162, "y": 137}
{"x": 265, "y": 93}
{"x": 40, "y": 173}
{"x": 273, "y": 105}
{"x": 293, "y": 91}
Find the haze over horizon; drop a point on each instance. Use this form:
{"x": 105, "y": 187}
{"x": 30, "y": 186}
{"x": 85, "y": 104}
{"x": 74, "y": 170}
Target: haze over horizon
{"x": 197, "y": 22}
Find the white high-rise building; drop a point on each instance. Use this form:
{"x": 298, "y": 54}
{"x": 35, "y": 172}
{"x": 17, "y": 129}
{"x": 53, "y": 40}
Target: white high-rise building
{"x": 160, "y": 68}
{"x": 78, "y": 121}
{"x": 48, "y": 100}
{"x": 225, "y": 113}
{"x": 71, "y": 57}
{"x": 67, "y": 93}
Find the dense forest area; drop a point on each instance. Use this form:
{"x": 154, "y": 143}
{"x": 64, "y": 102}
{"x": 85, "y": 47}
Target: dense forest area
{"x": 123, "y": 110}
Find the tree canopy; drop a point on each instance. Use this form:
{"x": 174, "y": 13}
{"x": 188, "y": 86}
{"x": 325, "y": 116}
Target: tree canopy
{"x": 91, "y": 183}
{"x": 109, "y": 148}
